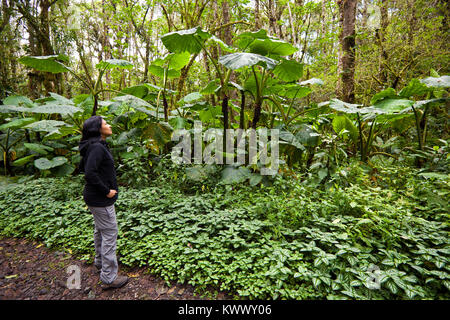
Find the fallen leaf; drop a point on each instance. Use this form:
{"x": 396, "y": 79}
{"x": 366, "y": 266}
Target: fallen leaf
{"x": 171, "y": 290}
{"x": 181, "y": 291}
{"x": 161, "y": 290}
{"x": 133, "y": 275}
{"x": 40, "y": 245}
{"x": 11, "y": 276}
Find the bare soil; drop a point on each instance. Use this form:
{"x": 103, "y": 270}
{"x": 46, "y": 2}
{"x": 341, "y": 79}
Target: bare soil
{"x": 31, "y": 271}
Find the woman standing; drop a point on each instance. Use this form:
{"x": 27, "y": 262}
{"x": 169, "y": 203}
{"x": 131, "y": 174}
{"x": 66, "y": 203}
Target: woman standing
{"x": 100, "y": 193}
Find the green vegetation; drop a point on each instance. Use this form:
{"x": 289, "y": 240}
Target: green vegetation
{"x": 359, "y": 91}
{"x": 284, "y": 239}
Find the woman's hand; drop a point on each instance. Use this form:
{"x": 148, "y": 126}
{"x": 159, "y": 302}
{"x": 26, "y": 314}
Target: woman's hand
{"x": 111, "y": 193}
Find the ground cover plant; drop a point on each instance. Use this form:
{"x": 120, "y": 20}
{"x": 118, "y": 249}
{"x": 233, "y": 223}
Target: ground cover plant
{"x": 287, "y": 240}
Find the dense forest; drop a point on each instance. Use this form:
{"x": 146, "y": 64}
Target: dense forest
{"x": 357, "y": 92}
{"x": 382, "y": 44}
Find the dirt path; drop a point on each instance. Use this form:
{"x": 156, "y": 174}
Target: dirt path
{"x": 30, "y": 271}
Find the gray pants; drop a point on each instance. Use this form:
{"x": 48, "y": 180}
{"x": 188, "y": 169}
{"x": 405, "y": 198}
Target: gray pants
{"x": 105, "y": 236}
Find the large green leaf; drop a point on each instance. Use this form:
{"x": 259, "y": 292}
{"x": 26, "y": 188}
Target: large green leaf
{"x": 211, "y": 88}
{"x": 200, "y": 173}
{"x": 393, "y": 105}
{"x": 152, "y": 113}
{"x": 114, "y": 63}
{"x": 346, "y": 107}
{"x": 292, "y": 91}
{"x": 83, "y": 99}
{"x": 17, "y": 123}
{"x": 46, "y": 63}
{"x": 289, "y": 70}
{"x": 255, "y": 178}
{"x": 45, "y": 125}
{"x": 58, "y": 99}
{"x": 57, "y": 104}
{"x": 222, "y": 44}
{"x": 423, "y": 103}
{"x": 24, "y": 160}
{"x": 414, "y": 88}
{"x": 272, "y": 47}
{"x": 232, "y": 175}
{"x": 126, "y": 136}
{"x": 159, "y": 72}
{"x": 16, "y": 100}
{"x": 45, "y": 164}
{"x": 190, "y": 40}
{"x": 210, "y": 113}
{"x": 235, "y": 85}
{"x": 307, "y": 136}
{"x": 342, "y": 122}
{"x": 441, "y": 82}
{"x": 153, "y": 87}
{"x": 133, "y": 101}
{"x": 291, "y": 139}
{"x": 56, "y": 108}
{"x": 246, "y": 38}
{"x": 238, "y": 60}
{"x": 191, "y": 97}
{"x": 177, "y": 61}
{"x": 60, "y": 132}
{"x": 63, "y": 170}
{"x": 144, "y": 91}
{"x": 312, "y": 81}
{"x": 195, "y": 106}
{"x": 386, "y": 93}
{"x": 178, "y": 123}
{"x": 139, "y": 91}
{"x": 160, "y": 132}
{"x": 12, "y": 108}
{"x": 39, "y": 148}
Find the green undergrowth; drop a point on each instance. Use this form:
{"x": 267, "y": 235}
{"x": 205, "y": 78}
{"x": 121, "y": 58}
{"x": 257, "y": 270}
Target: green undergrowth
{"x": 380, "y": 235}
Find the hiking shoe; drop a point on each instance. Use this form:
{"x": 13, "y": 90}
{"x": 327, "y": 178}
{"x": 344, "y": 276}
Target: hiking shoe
{"x": 119, "y": 282}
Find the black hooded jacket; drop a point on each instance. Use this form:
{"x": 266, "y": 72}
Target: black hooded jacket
{"x": 97, "y": 164}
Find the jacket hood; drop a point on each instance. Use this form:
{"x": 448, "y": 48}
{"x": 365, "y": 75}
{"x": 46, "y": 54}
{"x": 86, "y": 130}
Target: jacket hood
{"x": 84, "y": 144}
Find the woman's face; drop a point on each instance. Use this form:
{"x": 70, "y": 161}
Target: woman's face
{"x": 105, "y": 129}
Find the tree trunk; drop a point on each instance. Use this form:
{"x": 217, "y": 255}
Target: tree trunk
{"x": 271, "y": 15}
{"x": 257, "y": 17}
{"x": 106, "y": 49}
{"x": 39, "y": 38}
{"x": 87, "y": 73}
{"x": 35, "y": 78}
{"x": 6, "y": 13}
{"x": 381, "y": 38}
{"x": 346, "y": 63}
{"x": 279, "y": 14}
{"x": 50, "y": 81}
{"x": 412, "y": 21}
{"x": 323, "y": 29}
{"x": 227, "y": 31}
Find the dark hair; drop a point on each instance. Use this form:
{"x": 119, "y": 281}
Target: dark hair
{"x": 91, "y": 127}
